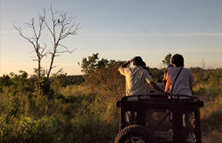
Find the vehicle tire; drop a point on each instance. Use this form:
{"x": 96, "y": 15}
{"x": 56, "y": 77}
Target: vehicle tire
{"x": 134, "y": 134}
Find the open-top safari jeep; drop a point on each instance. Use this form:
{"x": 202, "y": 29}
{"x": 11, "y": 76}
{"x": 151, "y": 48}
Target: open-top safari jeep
{"x": 156, "y": 118}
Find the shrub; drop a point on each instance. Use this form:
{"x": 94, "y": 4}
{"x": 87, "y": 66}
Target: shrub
{"x": 27, "y": 130}
{"x": 211, "y": 116}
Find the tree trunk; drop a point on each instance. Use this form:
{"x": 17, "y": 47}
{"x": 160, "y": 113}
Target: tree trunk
{"x": 39, "y": 69}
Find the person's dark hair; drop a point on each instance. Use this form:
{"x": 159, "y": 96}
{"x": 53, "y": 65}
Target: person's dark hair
{"x": 178, "y": 60}
{"x": 137, "y": 61}
{"x": 145, "y": 67}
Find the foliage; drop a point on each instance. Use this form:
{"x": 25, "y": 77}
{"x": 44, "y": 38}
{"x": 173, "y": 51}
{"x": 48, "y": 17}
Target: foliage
{"x": 207, "y": 82}
{"x": 103, "y": 77}
{"x": 92, "y": 63}
{"x": 167, "y": 60}
{"x": 14, "y": 83}
{"x": 29, "y": 130}
{"x": 212, "y": 120}
{"x": 74, "y": 80}
{"x": 156, "y": 73}
{"x": 73, "y": 115}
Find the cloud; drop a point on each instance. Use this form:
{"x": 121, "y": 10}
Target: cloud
{"x": 183, "y": 34}
{"x": 114, "y": 34}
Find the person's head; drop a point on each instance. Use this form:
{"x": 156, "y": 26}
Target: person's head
{"x": 137, "y": 61}
{"x": 178, "y": 60}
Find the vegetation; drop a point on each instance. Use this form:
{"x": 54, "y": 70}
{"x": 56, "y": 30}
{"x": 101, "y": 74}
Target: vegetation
{"x": 208, "y": 83}
{"x": 74, "y": 114}
{"x": 82, "y": 109}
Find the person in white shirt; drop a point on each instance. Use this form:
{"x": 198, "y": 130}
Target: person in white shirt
{"x": 137, "y": 77}
{"x": 179, "y": 83}
{"x": 179, "y": 79}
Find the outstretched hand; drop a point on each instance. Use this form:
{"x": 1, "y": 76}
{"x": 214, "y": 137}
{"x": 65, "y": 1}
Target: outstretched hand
{"x": 126, "y": 63}
{"x": 131, "y": 60}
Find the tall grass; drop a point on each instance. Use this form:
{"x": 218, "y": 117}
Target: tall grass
{"x": 75, "y": 115}
{"x": 211, "y": 117}
{"x": 208, "y": 84}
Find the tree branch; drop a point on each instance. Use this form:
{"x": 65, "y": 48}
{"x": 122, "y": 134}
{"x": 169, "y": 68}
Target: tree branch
{"x": 60, "y": 26}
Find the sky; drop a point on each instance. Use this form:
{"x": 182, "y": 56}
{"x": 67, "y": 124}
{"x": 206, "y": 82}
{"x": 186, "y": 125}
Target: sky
{"x": 117, "y": 30}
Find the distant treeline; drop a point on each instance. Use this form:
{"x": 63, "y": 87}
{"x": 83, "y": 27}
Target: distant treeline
{"x": 74, "y": 79}
{"x": 200, "y": 75}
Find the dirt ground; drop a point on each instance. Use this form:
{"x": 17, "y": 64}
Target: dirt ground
{"x": 205, "y": 139}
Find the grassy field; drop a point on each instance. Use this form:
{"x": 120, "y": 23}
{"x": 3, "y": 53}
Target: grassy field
{"x": 85, "y": 113}
{"x": 75, "y": 115}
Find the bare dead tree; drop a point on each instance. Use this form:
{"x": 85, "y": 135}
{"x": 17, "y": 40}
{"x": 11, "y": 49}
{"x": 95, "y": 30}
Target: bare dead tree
{"x": 60, "y": 27}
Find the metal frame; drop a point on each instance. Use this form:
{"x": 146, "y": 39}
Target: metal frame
{"x": 155, "y": 102}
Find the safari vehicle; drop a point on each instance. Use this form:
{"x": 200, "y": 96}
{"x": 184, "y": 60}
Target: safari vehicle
{"x": 159, "y": 118}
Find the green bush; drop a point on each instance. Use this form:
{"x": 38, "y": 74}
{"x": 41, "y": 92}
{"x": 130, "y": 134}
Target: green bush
{"x": 91, "y": 129}
{"x": 75, "y": 117}
{"x": 26, "y": 130}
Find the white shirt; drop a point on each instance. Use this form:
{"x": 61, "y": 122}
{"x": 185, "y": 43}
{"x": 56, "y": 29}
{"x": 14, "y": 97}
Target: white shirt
{"x": 183, "y": 83}
{"x": 136, "y": 80}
